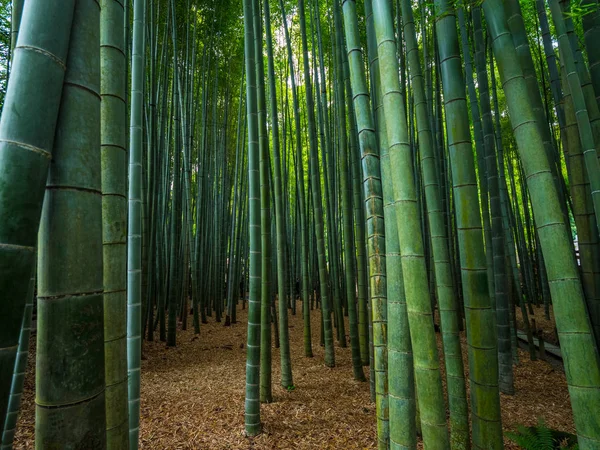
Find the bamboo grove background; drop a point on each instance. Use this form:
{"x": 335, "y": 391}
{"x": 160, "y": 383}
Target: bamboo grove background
{"x": 414, "y": 166}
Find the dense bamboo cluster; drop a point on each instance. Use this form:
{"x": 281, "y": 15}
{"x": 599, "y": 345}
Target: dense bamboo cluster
{"x": 405, "y": 168}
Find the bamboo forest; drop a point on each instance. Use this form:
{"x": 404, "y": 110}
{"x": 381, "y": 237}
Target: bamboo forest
{"x": 299, "y": 224}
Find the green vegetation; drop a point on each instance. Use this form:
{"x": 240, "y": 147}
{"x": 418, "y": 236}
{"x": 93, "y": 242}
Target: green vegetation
{"x": 402, "y": 168}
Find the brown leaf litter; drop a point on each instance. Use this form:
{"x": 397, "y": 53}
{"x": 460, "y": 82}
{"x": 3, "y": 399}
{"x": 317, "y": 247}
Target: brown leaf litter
{"x": 193, "y": 396}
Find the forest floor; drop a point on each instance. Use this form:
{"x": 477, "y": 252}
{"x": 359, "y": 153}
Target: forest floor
{"x": 193, "y": 395}
{"x": 541, "y": 322}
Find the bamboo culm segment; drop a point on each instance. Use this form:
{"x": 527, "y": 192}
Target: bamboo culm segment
{"x": 134, "y": 232}
{"x": 586, "y": 138}
{"x": 428, "y": 379}
{"x": 481, "y": 337}
{"x": 304, "y": 247}
{"x": 317, "y": 199}
{"x": 348, "y": 224}
{"x": 284, "y": 339}
{"x": 252, "y": 404}
{"x": 374, "y": 215}
{"x": 70, "y": 377}
{"x": 401, "y": 379}
{"x": 505, "y": 372}
{"x": 582, "y": 365}
{"x": 16, "y": 389}
{"x": 266, "y": 395}
{"x": 114, "y": 218}
{"x": 446, "y": 294}
{"x": 27, "y": 129}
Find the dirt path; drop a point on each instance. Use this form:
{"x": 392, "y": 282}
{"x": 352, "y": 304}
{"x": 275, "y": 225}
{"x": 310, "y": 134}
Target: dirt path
{"x": 193, "y": 396}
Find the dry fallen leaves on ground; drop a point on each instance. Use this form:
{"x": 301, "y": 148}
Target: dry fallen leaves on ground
{"x": 193, "y": 396}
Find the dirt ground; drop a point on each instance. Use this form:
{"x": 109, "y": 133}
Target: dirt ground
{"x": 193, "y": 396}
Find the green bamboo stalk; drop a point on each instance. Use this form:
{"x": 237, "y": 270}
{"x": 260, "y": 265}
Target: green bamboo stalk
{"x": 176, "y": 198}
{"x": 134, "y": 250}
{"x": 317, "y": 197}
{"x": 349, "y": 251}
{"x": 300, "y": 193}
{"x": 551, "y": 61}
{"x": 481, "y": 337}
{"x": 583, "y": 211}
{"x": 508, "y": 233}
{"x": 114, "y": 218}
{"x": 589, "y": 147}
{"x": 448, "y": 304}
{"x": 234, "y": 260}
{"x": 70, "y": 404}
{"x": 402, "y": 401}
{"x": 575, "y": 334}
{"x": 152, "y": 177}
{"x": 329, "y": 184}
{"x": 402, "y": 408}
{"x": 27, "y": 130}
{"x": 582, "y": 72}
{"x": 591, "y": 33}
{"x": 480, "y": 151}
{"x": 420, "y": 318}
{"x": 505, "y": 372}
{"x": 15, "y": 22}
{"x": 359, "y": 223}
{"x": 18, "y": 380}
{"x": 266, "y": 395}
{"x": 374, "y": 214}
{"x": 284, "y": 339}
{"x": 517, "y": 28}
{"x": 252, "y": 405}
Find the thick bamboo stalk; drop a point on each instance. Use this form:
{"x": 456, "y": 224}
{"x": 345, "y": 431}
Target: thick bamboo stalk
{"x": 575, "y": 334}
{"x": 428, "y": 380}
{"x": 114, "y": 220}
{"x": 70, "y": 404}
{"x": 252, "y": 405}
{"x": 448, "y": 303}
{"x": 481, "y": 337}
{"x": 374, "y": 214}
{"x": 27, "y": 130}
{"x": 134, "y": 234}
